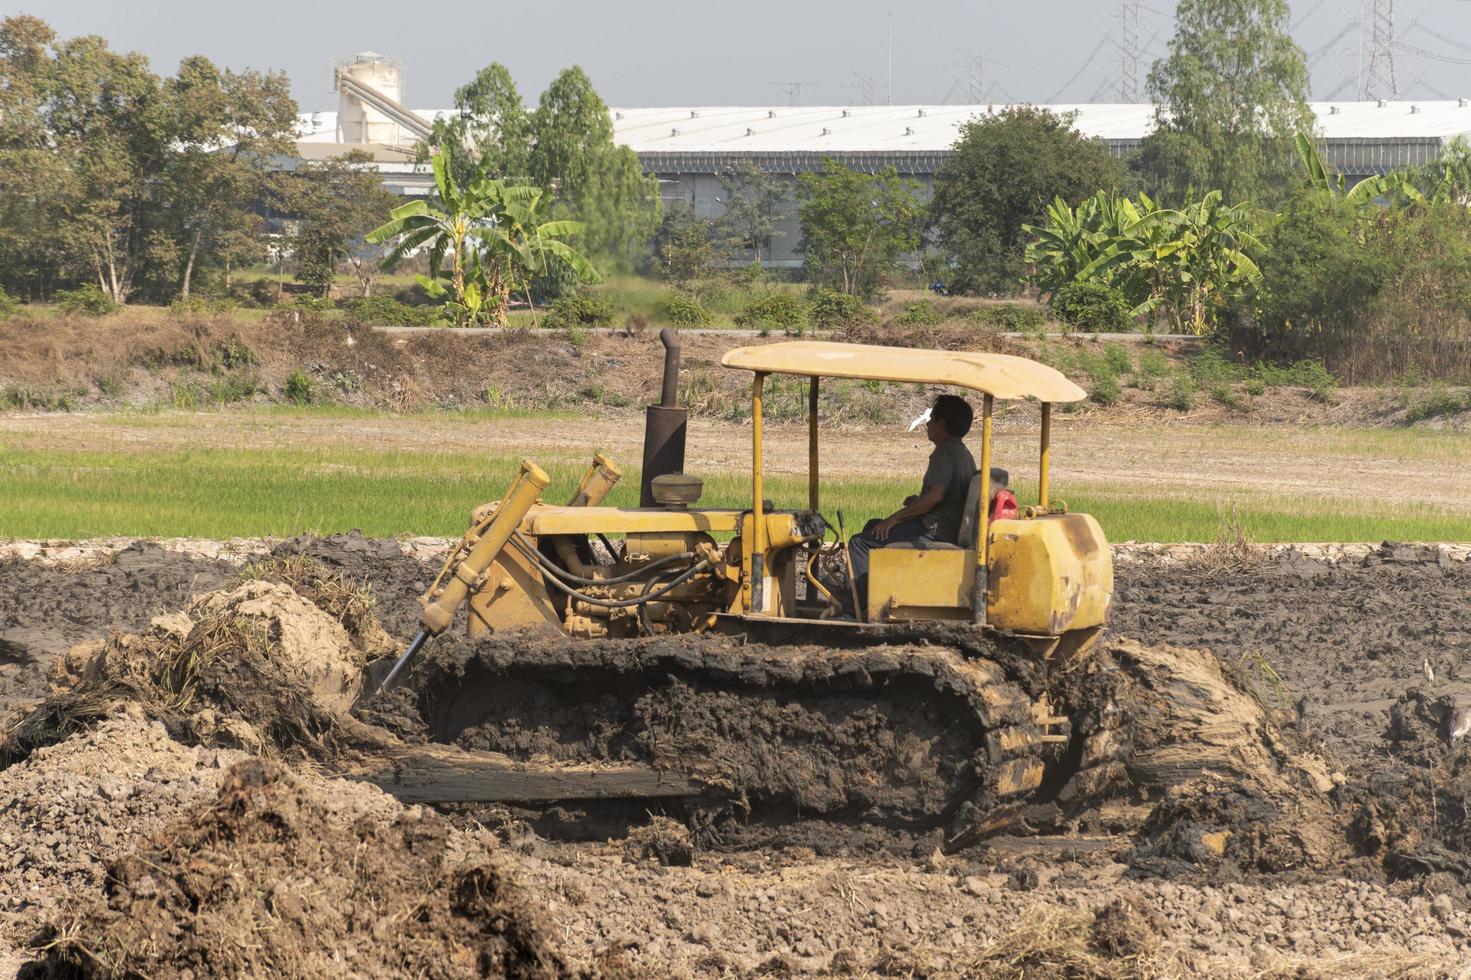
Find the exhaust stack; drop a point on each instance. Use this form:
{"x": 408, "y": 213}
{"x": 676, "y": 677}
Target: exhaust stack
{"x": 664, "y": 425}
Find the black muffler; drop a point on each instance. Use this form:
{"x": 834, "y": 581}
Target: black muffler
{"x": 664, "y": 425}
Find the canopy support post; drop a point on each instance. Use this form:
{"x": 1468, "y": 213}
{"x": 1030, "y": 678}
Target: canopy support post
{"x": 812, "y": 490}
{"x": 1045, "y": 464}
{"x": 983, "y": 525}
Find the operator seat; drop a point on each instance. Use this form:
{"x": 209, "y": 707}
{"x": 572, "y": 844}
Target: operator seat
{"x": 970, "y": 517}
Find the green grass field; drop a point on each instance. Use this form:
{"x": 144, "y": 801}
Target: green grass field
{"x": 217, "y": 493}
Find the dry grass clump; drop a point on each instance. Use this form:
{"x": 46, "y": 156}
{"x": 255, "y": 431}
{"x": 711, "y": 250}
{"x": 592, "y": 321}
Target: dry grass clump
{"x": 1119, "y": 941}
{"x": 1375, "y": 965}
{"x": 947, "y": 335}
{"x": 349, "y": 604}
{"x": 1234, "y": 549}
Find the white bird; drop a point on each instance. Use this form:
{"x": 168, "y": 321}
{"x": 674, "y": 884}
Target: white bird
{"x": 1460, "y": 724}
{"x": 922, "y": 420}
{"x": 1428, "y": 671}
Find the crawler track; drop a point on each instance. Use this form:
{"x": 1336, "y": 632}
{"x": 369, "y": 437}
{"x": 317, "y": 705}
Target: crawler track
{"x": 904, "y": 735}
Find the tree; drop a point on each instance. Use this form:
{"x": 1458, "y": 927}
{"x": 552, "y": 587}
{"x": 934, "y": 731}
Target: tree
{"x": 684, "y": 245}
{"x": 855, "y": 226}
{"x": 336, "y": 203}
{"x": 587, "y": 175}
{"x": 755, "y": 202}
{"x": 1002, "y": 174}
{"x": 490, "y": 132}
{"x": 496, "y": 239}
{"x": 227, "y": 127}
{"x": 1229, "y": 100}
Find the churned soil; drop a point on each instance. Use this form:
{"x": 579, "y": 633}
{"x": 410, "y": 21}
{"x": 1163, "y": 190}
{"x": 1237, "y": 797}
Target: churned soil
{"x": 1341, "y": 849}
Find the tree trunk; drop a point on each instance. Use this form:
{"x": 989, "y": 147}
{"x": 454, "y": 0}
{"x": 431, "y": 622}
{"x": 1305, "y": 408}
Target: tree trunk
{"x": 189, "y": 265}
{"x": 229, "y": 281}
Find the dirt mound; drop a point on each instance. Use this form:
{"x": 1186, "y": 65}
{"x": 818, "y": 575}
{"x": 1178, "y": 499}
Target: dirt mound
{"x": 287, "y": 876}
{"x": 47, "y": 609}
{"x": 71, "y": 809}
{"x": 376, "y": 569}
{"x": 256, "y": 667}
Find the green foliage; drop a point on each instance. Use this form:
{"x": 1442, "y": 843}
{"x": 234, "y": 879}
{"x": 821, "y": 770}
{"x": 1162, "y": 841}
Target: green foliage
{"x": 86, "y": 300}
{"x": 233, "y": 354}
{"x": 755, "y": 203}
{"x": 1255, "y": 386}
{"x": 1118, "y": 358}
{"x": 683, "y": 247}
{"x": 855, "y": 226}
{"x": 1093, "y": 307}
{"x": 921, "y": 314}
{"x": 490, "y": 132}
{"x": 336, "y": 203}
{"x": 313, "y": 304}
{"x": 196, "y": 306}
{"x": 299, "y": 389}
{"x": 1011, "y": 317}
{"x": 1441, "y": 401}
{"x": 34, "y": 400}
{"x": 597, "y": 182}
{"x": 8, "y": 306}
{"x": 233, "y": 386}
{"x": 386, "y": 311}
{"x": 999, "y": 178}
{"x": 1105, "y": 389}
{"x": 495, "y": 238}
{"x": 1180, "y": 393}
{"x": 1153, "y": 365}
{"x": 1372, "y": 293}
{"x": 1225, "y": 395}
{"x": 683, "y": 310}
{"x": 1191, "y": 261}
{"x": 774, "y": 311}
{"x": 581, "y": 311}
{"x": 1230, "y": 98}
{"x": 831, "y": 309}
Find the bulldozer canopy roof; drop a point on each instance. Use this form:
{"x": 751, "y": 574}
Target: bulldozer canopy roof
{"x": 999, "y": 375}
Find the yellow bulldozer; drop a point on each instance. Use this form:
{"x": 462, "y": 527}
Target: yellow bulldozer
{"x": 678, "y": 652}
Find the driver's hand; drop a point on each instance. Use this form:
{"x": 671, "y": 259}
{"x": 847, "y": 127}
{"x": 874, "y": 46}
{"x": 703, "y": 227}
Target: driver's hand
{"x": 882, "y": 529}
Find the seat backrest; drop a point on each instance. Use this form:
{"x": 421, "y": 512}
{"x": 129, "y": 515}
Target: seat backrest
{"x": 971, "y": 516}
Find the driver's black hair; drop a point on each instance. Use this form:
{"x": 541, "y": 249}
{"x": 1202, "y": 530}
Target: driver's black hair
{"x": 954, "y": 414}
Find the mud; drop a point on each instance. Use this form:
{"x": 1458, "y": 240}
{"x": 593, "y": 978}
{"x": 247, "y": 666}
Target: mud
{"x": 47, "y": 609}
{"x": 1295, "y": 806}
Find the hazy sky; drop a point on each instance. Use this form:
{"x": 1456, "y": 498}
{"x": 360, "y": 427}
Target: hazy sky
{"x": 692, "y": 52}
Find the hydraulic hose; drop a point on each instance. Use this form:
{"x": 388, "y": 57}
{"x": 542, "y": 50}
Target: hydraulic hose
{"x": 552, "y": 572}
{"x": 571, "y": 578}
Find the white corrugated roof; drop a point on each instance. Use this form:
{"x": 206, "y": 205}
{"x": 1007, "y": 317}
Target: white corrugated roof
{"x": 914, "y": 128}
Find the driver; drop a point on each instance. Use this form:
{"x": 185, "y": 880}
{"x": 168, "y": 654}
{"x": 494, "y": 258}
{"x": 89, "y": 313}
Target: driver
{"x": 935, "y": 514}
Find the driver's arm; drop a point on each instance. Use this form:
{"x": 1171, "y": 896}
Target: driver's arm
{"x": 922, "y": 504}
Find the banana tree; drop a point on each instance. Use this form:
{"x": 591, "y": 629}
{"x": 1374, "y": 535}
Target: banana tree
{"x": 518, "y": 244}
{"x": 444, "y": 226}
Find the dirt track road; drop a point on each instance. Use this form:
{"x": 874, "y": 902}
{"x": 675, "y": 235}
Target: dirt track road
{"x": 1392, "y": 466}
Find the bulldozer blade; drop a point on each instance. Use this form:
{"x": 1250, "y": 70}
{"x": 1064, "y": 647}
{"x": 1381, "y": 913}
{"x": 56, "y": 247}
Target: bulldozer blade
{"x": 445, "y": 774}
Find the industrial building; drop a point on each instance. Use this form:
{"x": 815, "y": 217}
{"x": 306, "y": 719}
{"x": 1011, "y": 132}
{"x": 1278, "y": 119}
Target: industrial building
{"x": 688, "y": 148}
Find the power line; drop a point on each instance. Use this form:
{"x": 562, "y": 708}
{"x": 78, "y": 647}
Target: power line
{"x": 1081, "y": 68}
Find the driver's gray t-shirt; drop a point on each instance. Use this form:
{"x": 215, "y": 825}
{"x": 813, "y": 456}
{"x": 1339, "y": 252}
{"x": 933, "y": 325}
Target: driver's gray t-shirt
{"x": 951, "y": 466}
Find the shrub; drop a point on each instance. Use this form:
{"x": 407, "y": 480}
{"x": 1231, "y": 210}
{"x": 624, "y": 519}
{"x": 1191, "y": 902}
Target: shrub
{"x": 1440, "y": 401}
{"x": 313, "y": 304}
{"x": 1255, "y": 387}
{"x": 1225, "y": 394}
{"x": 233, "y": 387}
{"x": 683, "y": 310}
{"x": 386, "y": 311}
{"x": 1180, "y": 395}
{"x": 8, "y": 306}
{"x": 1092, "y": 307}
{"x": 580, "y": 311}
{"x": 921, "y": 314}
{"x": 635, "y": 324}
{"x": 299, "y": 388}
{"x": 86, "y": 300}
{"x": 1011, "y": 317}
{"x": 235, "y": 353}
{"x": 774, "y": 311}
{"x": 1153, "y": 365}
{"x": 1118, "y": 358}
{"x": 1105, "y": 389}
{"x": 831, "y": 309}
